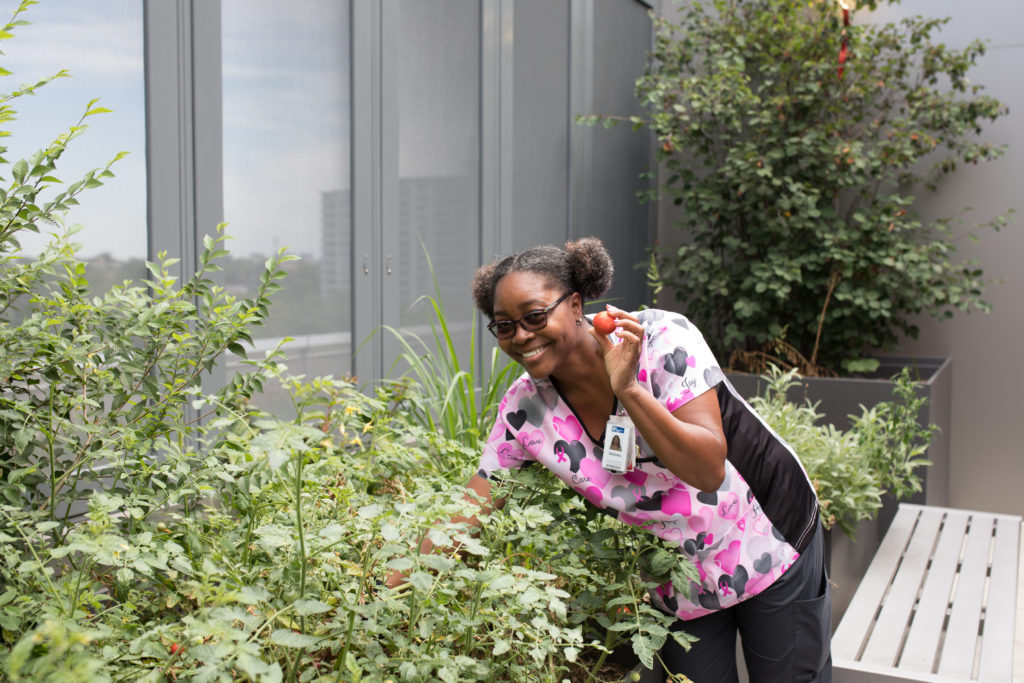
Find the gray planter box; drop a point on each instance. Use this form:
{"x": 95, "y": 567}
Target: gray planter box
{"x": 837, "y": 398}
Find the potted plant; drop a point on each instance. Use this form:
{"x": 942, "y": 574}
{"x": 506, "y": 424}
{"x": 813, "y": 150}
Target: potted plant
{"x": 793, "y": 141}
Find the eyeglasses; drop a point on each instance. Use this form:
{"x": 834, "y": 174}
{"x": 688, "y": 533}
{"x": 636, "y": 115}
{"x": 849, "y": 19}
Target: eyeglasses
{"x": 531, "y": 322}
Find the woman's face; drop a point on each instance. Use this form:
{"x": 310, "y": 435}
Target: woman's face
{"x": 540, "y": 351}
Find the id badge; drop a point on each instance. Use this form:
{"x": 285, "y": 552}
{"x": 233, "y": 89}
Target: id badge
{"x": 619, "y": 454}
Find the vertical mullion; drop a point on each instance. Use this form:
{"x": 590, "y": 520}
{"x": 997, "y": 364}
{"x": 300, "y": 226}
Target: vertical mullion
{"x": 389, "y": 233}
{"x": 506, "y": 109}
{"x": 496, "y": 127}
{"x": 497, "y": 42}
{"x": 169, "y": 164}
{"x": 184, "y": 167}
{"x": 208, "y": 117}
{"x": 184, "y": 159}
{"x": 581, "y": 101}
{"x": 490, "y": 147}
{"x": 366, "y": 187}
{"x": 490, "y": 129}
{"x": 206, "y": 140}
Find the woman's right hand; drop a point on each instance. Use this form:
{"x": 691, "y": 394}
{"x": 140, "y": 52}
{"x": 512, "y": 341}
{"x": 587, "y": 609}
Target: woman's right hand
{"x": 620, "y": 359}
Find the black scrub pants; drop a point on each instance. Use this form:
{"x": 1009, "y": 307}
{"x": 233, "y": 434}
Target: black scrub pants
{"x": 785, "y": 631}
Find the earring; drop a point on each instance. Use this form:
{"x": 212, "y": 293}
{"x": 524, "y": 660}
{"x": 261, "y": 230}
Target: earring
{"x": 579, "y": 322}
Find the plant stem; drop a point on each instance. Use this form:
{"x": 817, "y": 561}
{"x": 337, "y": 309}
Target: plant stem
{"x": 609, "y": 639}
{"x": 303, "y": 560}
{"x": 35, "y": 556}
{"x": 833, "y": 282}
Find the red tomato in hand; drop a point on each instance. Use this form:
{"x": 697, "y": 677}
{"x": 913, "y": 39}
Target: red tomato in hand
{"x": 604, "y": 323}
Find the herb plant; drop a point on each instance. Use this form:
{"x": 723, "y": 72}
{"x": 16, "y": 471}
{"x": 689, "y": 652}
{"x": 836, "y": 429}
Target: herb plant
{"x": 852, "y": 470}
{"x": 459, "y": 401}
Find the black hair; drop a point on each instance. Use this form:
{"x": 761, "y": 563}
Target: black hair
{"x": 584, "y": 266}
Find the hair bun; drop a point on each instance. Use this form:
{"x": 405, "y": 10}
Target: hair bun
{"x": 584, "y": 266}
{"x": 591, "y": 267}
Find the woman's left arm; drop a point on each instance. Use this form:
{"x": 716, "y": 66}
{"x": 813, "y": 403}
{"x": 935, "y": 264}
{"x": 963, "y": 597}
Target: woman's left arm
{"x": 689, "y": 441}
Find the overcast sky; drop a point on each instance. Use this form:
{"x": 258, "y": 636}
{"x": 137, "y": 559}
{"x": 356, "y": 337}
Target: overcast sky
{"x": 100, "y": 44}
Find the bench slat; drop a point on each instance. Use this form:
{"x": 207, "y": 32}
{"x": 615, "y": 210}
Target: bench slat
{"x": 857, "y": 672}
{"x": 891, "y": 626}
{"x": 925, "y": 634}
{"x": 965, "y": 615}
{"x": 997, "y": 644}
{"x": 860, "y": 615}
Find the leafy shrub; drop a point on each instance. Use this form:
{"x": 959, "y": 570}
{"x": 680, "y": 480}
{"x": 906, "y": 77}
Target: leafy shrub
{"x": 156, "y": 526}
{"x": 796, "y": 176}
{"x": 272, "y": 571}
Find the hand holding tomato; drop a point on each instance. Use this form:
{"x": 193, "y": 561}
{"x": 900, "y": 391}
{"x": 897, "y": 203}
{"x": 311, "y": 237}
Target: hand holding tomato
{"x": 621, "y": 355}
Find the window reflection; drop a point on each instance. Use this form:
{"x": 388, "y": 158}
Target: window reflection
{"x": 286, "y": 169}
{"x": 439, "y": 159}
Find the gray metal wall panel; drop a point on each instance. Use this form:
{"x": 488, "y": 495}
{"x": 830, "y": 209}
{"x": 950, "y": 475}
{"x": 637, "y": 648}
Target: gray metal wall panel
{"x": 617, "y": 156}
{"x": 541, "y": 120}
{"x": 985, "y": 462}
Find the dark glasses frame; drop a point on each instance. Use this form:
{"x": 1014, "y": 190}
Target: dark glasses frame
{"x": 531, "y": 321}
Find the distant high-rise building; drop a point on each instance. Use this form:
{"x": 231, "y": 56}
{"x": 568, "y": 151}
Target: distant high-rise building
{"x": 440, "y": 211}
{"x": 335, "y": 241}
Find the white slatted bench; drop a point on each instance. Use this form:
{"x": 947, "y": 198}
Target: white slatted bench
{"x": 937, "y": 603}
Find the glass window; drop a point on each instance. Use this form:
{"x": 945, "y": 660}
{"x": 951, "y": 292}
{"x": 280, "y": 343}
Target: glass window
{"x": 100, "y": 45}
{"x": 439, "y": 160}
{"x": 286, "y": 169}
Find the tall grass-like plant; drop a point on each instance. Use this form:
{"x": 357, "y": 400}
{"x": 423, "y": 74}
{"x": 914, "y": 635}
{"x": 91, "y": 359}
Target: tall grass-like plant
{"x": 457, "y": 401}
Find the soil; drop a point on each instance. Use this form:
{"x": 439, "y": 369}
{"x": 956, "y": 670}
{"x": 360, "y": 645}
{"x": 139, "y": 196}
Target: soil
{"x": 614, "y": 669}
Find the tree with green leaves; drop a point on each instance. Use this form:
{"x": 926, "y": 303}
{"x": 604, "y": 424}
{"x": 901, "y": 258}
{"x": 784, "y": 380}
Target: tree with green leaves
{"x": 796, "y": 148}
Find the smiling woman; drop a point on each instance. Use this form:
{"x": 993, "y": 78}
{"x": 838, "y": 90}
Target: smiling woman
{"x": 643, "y": 424}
